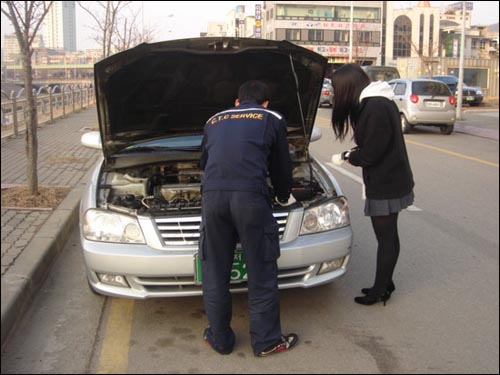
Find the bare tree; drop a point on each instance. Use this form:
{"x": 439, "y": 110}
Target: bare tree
{"x": 106, "y": 18}
{"x": 359, "y": 49}
{"x": 114, "y": 30}
{"x": 427, "y": 60}
{"x": 26, "y": 17}
{"x": 128, "y": 34}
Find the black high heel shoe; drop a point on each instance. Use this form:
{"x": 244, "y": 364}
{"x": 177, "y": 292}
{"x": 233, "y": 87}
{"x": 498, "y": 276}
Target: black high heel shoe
{"x": 390, "y": 288}
{"x": 371, "y": 299}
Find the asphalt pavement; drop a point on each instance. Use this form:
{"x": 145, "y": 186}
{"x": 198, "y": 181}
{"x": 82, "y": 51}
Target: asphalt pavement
{"x": 32, "y": 239}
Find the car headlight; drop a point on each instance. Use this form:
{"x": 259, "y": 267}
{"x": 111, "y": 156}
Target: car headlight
{"x": 479, "y": 92}
{"x": 111, "y": 227}
{"x": 331, "y": 215}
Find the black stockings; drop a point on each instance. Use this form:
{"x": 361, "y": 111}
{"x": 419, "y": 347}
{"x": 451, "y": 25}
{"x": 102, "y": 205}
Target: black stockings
{"x": 386, "y": 231}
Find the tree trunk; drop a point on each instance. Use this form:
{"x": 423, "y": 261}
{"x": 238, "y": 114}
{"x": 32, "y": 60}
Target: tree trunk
{"x": 31, "y": 128}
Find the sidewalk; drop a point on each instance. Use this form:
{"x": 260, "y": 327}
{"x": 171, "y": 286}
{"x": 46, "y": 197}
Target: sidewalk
{"x": 31, "y": 239}
{"x": 480, "y": 121}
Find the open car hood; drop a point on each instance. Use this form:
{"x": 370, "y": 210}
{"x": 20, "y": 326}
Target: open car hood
{"x": 172, "y": 88}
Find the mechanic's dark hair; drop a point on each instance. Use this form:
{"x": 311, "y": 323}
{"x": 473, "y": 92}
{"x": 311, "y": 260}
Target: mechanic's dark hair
{"x": 348, "y": 81}
{"x": 255, "y": 91}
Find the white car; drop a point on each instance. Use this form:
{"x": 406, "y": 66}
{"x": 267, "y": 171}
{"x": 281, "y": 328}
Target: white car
{"x": 140, "y": 214}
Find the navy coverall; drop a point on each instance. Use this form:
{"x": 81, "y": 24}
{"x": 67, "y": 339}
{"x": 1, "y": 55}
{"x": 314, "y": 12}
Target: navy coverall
{"x": 242, "y": 146}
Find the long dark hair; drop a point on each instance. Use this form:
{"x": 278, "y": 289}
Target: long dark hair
{"x": 348, "y": 81}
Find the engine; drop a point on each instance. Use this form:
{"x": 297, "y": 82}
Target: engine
{"x": 174, "y": 187}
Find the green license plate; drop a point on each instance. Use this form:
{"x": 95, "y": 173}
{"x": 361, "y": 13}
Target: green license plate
{"x": 238, "y": 272}
{"x": 470, "y": 98}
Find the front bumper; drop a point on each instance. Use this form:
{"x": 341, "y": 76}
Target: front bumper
{"x": 163, "y": 273}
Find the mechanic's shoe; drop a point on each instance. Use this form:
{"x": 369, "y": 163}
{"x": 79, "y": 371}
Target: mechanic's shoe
{"x": 287, "y": 342}
{"x": 206, "y": 337}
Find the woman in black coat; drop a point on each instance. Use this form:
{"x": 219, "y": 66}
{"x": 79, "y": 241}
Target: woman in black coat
{"x": 381, "y": 153}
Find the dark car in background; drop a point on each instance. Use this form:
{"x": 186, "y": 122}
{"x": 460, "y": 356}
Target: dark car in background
{"x": 472, "y": 96}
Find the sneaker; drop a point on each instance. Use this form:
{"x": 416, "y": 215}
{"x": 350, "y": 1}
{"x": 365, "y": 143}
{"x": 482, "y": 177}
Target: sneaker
{"x": 287, "y": 342}
{"x": 220, "y": 351}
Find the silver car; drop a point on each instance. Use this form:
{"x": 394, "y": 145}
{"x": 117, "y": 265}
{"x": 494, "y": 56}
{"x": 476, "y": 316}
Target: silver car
{"x": 326, "y": 94}
{"x": 141, "y": 212}
{"x": 424, "y": 102}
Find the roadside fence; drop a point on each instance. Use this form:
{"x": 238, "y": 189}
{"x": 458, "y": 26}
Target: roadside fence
{"x": 52, "y": 102}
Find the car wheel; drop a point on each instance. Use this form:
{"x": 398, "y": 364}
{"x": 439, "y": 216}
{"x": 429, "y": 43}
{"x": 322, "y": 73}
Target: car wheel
{"x": 405, "y": 125}
{"x": 446, "y": 129}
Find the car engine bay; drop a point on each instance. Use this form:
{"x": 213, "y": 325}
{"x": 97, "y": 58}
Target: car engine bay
{"x": 172, "y": 187}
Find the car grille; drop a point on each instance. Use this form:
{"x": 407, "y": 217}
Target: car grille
{"x": 188, "y": 283}
{"x": 185, "y": 230}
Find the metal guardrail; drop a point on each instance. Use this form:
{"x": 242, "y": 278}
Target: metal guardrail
{"x": 52, "y": 102}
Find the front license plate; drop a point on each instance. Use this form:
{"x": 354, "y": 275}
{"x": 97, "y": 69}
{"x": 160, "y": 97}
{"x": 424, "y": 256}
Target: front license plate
{"x": 238, "y": 272}
{"x": 470, "y": 98}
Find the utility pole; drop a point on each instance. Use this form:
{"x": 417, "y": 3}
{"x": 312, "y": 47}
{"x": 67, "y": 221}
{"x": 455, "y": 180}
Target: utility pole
{"x": 351, "y": 33}
{"x": 461, "y": 66}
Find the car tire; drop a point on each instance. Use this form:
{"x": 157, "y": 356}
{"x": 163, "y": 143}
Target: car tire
{"x": 405, "y": 125}
{"x": 446, "y": 129}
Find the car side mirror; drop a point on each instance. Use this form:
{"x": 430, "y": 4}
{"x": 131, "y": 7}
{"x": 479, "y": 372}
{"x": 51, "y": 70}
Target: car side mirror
{"x": 92, "y": 139}
{"x": 316, "y": 134}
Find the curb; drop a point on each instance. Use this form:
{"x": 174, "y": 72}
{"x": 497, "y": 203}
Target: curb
{"x": 24, "y": 279}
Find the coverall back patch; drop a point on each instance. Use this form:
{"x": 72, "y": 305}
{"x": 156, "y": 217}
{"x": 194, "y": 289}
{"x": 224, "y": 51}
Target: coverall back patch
{"x": 237, "y": 116}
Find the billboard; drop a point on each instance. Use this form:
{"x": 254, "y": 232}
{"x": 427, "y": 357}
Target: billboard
{"x": 258, "y": 21}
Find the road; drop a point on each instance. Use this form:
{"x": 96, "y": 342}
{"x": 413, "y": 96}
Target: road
{"x": 442, "y": 318}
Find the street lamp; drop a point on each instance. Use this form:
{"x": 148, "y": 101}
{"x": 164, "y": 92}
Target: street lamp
{"x": 351, "y": 32}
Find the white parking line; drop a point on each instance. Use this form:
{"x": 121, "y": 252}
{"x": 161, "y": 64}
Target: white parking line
{"x": 359, "y": 180}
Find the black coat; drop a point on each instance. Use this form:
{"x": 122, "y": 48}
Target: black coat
{"x": 244, "y": 145}
{"x": 381, "y": 150}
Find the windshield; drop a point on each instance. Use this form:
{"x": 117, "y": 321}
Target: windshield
{"x": 186, "y": 142}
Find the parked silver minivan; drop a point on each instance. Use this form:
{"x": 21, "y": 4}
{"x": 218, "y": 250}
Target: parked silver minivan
{"x": 424, "y": 102}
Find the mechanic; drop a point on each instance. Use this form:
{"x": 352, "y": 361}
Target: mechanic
{"x": 241, "y": 147}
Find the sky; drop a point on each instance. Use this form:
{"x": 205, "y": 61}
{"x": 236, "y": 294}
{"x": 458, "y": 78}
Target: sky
{"x": 186, "y": 19}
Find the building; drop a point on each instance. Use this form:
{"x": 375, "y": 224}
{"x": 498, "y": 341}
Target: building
{"x": 453, "y": 14}
{"x": 59, "y": 29}
{"x": 236, "y": 24}
{"x": 325, "y": 27}
{"x": 11, "y": 50}
{"x": 216, "y": 29}
{"x": 412, "y": 32}
{"x": 240, "y": 24}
